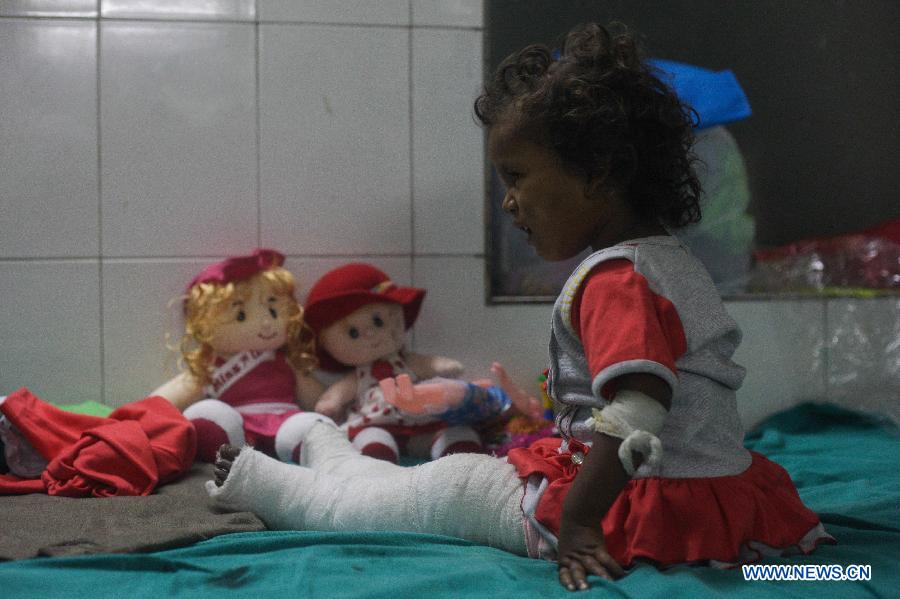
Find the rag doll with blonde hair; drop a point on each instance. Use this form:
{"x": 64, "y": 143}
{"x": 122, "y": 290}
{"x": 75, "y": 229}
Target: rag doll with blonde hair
{"x": 247, "y": 357}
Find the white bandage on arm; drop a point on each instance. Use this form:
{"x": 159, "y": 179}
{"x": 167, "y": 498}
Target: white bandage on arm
{"x": 636, "y": 418}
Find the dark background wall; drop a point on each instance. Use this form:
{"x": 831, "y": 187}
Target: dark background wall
{"x": 822, "y": 147}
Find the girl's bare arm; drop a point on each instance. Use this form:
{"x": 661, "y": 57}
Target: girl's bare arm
{"x": 582, "y": 547}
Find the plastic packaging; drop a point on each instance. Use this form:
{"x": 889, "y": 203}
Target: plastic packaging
{"x": 863, "y": 355}
{"x": 862, "y": 263}
{"x": 723, "y": 239}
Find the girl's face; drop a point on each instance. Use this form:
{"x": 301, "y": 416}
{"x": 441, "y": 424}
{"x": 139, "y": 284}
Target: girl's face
{"x": 372, "y": 332}
{"x": 256, "y": 320}
{"x": 546, "y": 201}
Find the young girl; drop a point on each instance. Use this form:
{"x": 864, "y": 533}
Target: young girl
{"x": 594, "y": 151}
{"x": 248, "y": 358}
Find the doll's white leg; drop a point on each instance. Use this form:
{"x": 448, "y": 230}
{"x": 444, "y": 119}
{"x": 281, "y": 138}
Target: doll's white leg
{"x": 472, "y": 496}
{"x": 377, "y": 443}
{"x": 216, "y": 423}
{"x": 455, "y": 439}
{"x": 290, "y": 435}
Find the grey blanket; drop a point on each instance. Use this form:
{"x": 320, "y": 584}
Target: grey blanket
{"x": 175, "y": 515}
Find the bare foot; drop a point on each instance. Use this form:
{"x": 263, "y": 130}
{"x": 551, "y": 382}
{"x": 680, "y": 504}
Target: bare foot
{"x": 224, "y": 460}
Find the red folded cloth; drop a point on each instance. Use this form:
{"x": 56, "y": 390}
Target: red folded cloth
{"x": 136, "y": 448}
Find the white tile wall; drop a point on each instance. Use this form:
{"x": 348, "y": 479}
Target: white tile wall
{"x": 141, "y": 320}
{"x": 48, "y": 8}
{"x": 333, "y": 131}
{"x": 452, "y": 13}
{"x": 863, "y": 339}
{"x": 179, "y": 9}
{"x": 177, "y": 138}
{"x": 357, "y": 12}
{"x": 783, "y": 352}
{"x": 334, "y": 139}
{"x": 448, "y": 190}
{"x": 51, "y": 329}
{"x": 48, "y": 138}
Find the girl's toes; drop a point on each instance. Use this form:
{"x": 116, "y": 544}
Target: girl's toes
{"x": 224, "y": 459}
{"x": 229, "y": 452}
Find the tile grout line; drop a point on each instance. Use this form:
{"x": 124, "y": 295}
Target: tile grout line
{"x": 100, "y": 280}
{"x": 411, "y": 155}
{"x": 200, "y": 257}
{"x": 412, "y": 180}
{"x": 487, "y": 176}
{"x": 234, "y": 21}
{"x": 258, "y": 136}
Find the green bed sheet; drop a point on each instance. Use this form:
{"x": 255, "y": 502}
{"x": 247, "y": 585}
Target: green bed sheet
{"x": 846, "y": 466}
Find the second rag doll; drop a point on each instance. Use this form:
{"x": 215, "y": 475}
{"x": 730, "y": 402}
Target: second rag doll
{"x": 360, "y": 318}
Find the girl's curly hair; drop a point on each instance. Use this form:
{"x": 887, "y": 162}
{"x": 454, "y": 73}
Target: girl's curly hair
{"x": 206, "y": 304}
{"x": 606, "y": 113}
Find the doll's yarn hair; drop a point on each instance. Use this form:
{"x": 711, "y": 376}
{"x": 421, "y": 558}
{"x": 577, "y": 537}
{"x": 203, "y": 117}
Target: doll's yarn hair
{"x": 205, "y": 305}
{"x": 606, "y": 113}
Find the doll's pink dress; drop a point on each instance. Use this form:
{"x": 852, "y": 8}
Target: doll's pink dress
{"x": 261, "y": 386}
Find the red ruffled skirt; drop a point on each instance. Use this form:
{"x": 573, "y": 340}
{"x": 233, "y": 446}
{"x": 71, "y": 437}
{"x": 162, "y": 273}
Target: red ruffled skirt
{"x": 726, "y": 519}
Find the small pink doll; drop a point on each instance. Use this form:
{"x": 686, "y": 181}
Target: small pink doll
{"x": 360, "y": 318}
{"x": 248, "y": 358}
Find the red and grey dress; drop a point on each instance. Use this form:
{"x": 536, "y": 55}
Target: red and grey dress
{"x": 648, "y": 306}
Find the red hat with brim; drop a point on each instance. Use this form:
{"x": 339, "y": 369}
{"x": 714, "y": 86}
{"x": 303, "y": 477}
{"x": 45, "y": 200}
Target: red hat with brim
{"x": 238, "y": 268}
{"x": 348, "y": 288}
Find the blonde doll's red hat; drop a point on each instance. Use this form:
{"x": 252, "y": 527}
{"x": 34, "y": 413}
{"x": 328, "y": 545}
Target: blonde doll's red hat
{"x": 348, "y": 288}
{"x": 238, "y": 268}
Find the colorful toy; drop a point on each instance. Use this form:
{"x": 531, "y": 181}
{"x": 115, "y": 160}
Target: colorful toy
{"x": 532, "y": 422}
{"x": 457, "y": 401}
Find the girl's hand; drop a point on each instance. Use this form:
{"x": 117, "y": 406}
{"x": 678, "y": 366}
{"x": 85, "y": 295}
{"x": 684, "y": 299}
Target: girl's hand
{"x": 582, "y": 551}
